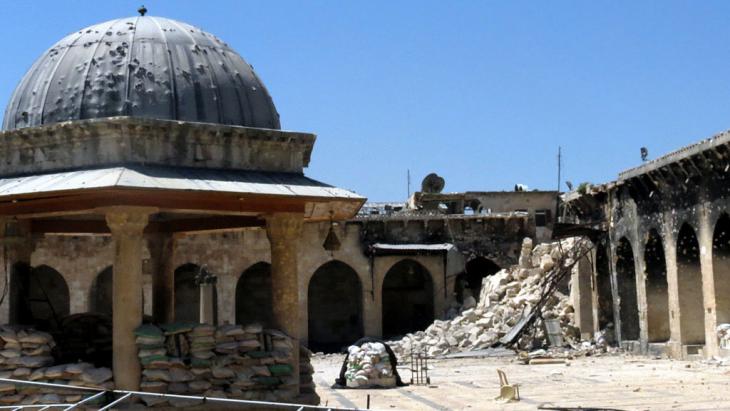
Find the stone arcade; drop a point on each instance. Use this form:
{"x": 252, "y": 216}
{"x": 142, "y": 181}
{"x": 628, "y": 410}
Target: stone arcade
{"x": 661, "y": 274}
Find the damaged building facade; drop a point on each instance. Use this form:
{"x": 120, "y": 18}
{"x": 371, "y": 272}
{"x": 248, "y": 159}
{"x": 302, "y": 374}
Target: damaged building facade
{"x": 393, "y": 273}
{"x": 660, "y": 272}
{"x": 145, "y": 189}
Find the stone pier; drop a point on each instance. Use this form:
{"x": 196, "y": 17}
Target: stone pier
{"x": 127, "y": 225}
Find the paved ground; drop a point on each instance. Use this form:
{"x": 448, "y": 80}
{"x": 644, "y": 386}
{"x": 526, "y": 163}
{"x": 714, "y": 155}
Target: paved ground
{"x": 618, "y": 382}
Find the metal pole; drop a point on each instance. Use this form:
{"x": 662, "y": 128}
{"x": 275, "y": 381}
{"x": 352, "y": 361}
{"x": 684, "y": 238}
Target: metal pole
{"x": 113, "y": 403}
{"x": 85, "y": 400}
{"x": 126, "y": 394}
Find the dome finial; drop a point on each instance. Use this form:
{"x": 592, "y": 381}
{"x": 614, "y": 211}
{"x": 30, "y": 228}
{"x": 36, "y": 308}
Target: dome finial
{"x": 142, "y": 10}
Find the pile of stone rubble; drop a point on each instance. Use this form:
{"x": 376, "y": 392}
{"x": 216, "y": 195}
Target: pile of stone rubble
{"x": 503, "y": 300}
{"x": 229, "y": 361}
{"x": 26, "y": 355}
{"x": 369, "y": 366}
{"x": 723, "y": 333}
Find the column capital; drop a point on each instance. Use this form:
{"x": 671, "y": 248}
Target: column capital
{"x": 127, "y": 220}
{"x": 283, "y": 226}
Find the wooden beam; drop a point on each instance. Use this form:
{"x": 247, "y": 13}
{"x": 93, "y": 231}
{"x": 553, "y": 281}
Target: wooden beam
{"x": 218, "y": 223}
{"x": 166, "y": 200}
{"x": 184, "y": 225}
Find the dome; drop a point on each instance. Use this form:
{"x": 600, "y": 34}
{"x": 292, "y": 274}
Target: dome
{"x": 141, "y": 66}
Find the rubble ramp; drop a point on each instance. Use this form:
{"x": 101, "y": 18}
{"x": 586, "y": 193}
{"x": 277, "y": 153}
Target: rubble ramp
{"x": 102, "y": 400}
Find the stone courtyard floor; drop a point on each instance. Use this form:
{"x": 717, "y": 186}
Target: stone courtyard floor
{"x": 617, "y": 382}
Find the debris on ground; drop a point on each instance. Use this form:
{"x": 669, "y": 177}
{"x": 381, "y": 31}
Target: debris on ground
{"x": 505, "y": 299}
{"x": 723, "y": 334}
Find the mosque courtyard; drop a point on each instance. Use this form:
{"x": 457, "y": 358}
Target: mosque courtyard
{"x": 615, "y": 382}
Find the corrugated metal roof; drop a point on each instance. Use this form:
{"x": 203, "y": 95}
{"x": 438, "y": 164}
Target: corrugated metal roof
{"x": 413, "y": 247}
{"x": 175, "y": 178}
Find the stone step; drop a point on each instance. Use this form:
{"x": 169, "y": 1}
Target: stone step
{"x": 631, "y": 346}
{"x": 693, "y": 351}
{"x": 657, "y": 349}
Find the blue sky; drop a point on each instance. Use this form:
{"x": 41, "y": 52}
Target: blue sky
{"x": 481, "y": 92}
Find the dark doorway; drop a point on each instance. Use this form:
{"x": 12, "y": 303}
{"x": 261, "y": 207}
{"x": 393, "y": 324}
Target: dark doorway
{"x": 626, "y": 282}
{"x": 407, "y": 299}
{"x": 102, "y": 292}
{"x": 475, "y": 271}
{"x": 721, "y": 268}
{"x": 334, "y": 307}
{"x": 254, "y": 301}
{"x": 689, "y": 279}
{"x": 187, "y": 294}
{"x": 41, "y": 297}
{"x": 603, "y": 288}
{"x": 657, "y": 290}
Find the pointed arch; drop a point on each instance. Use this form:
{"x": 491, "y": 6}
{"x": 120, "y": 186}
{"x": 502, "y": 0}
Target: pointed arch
{"x": 407, "y": 297}
{"x": 689, "y": 279}
{"x": 626, "y": 282}
{"x": 657, "y": 288}
{"x": 254, "y": 300}
{"x": 187, "y": 294}
{"x": 334, "y": 307}
{"x": 721, "y": 267}
{"x": 41, "y": 296}
{"x": 101, "y": 294}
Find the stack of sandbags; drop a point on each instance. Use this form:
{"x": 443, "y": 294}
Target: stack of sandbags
{"x": 201, "y": 340}
{"x": 24, "y": 351}
{"x": 26, "y": 356}
{"x": 230, "y": 361}
{"x": 369, "y": 366}
{"x": 505, "y": 296}
{"x": 152, "y": 352}
{"x": 307, "y": 387}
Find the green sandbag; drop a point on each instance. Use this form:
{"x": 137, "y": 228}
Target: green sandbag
{"x": 200, "y": 363}
{"x": 177, "y": 328}
{"x": 152, "y": 358}
{"x": 267, "y": 381}
{"x": 281, "y": 370}
{"x": 258, "y": 354}
{"x": 155, "y": 346}
{"x": 147, "y": 330}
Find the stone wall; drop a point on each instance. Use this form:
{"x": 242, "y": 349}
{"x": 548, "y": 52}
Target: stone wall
{"x": 125, "y": 140}
{"x": 80, "y": 260}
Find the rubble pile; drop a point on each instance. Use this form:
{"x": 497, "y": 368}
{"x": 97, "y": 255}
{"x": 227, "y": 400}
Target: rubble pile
{"x": 307, "y": 387}
{"x": 25, "y": 354}
{"x": 229, "y": 361}
{"x": 505, "y": 297}
{"x": 369, "y": 365}
{"x": 723, "y": 334}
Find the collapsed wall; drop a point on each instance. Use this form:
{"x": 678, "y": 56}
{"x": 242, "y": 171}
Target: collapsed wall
{"x": 505, "y": 297}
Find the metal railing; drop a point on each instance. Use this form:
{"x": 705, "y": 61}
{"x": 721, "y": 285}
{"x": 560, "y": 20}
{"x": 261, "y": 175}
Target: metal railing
{"x": 124, "y": 396}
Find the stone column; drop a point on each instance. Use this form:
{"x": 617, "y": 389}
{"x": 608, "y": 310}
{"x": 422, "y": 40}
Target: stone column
{"x": 284, "y": 231}
{"x": 581, "y": 296}
{"x": 17, "y": 245}
{"x": 127, "y": 225}
{"x": 674, "y": 345}
{"x": 207, "y": 307}
{"x": 641, "y": 298}
{"x": 705, "y": 234}
{"x": 162, "y": 252}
